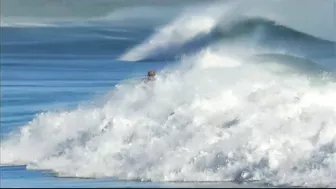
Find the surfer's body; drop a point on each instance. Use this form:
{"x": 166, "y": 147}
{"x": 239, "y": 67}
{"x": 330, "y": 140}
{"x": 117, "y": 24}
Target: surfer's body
{"x": 150, "y": 76}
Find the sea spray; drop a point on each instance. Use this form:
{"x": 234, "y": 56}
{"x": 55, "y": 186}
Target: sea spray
{"x": 227, "y": 121}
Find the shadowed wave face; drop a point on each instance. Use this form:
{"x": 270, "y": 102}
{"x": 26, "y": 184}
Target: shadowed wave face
{"x": 248, "y": 93}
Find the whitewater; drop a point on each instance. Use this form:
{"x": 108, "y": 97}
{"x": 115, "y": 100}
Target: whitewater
{"x": 249, "y": 97}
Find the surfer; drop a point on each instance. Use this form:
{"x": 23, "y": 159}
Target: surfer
{"x": 150, "y": 76}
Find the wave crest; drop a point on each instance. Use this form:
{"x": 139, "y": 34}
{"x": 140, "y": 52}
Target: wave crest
{"x": 205, "y": 25}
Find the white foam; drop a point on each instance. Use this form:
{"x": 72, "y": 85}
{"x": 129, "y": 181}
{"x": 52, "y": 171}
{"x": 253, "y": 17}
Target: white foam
{"x": 195, "y": 123}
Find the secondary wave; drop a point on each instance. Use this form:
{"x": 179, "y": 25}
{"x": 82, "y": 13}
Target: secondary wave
{"x": 245, "y": 31}
{"x": 237, "y": 18}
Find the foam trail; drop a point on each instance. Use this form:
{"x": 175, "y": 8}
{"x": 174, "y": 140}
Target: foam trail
{"x": 229, "y": 120}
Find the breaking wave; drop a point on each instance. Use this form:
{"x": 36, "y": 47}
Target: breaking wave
{"x": 247, "y": 100}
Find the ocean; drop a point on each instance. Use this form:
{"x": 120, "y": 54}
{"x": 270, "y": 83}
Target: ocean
{"x": 244, "y": 93}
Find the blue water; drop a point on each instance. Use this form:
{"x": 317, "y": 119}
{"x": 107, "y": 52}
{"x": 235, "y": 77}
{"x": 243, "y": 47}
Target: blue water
{"x": 215, "y": 118}
{"x": 37, "y": 77}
